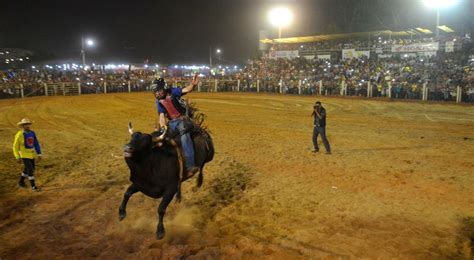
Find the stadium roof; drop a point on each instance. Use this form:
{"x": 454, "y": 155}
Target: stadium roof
{"x": 423, "y": 30}
{"x": 445, "y": 28}
{"x": 330, "y": 37}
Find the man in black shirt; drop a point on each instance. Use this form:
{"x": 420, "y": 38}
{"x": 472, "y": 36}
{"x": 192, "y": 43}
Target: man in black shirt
{"x": 319, "y": 114}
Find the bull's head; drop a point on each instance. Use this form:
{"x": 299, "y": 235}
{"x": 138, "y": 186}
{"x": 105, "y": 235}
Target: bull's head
{"x": 140, "y": 142}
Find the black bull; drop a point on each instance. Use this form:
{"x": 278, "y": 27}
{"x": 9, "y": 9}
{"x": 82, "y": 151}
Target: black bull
{"x": 155, "y": 165}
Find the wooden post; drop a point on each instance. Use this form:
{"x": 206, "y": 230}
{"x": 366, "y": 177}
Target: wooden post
{"x": 341, "y": 88}
{"x": 320, "y": 87}
{"x": 199, "y": 86}
{"x": 458, "y": 94}
{"x": 64, "y": 88}
{"x": 424, "y": 93}
{"x": 258, "y": 85}
{"x": 299, "y": 87}
{"x": 281, "y": 85}
{"x": 389, "y": 89}
{"x": 238, "y": 85}
{"x": 45, "y": 89}
{"x": 369, "y": 89}
{"x": 105, "y": 87}
{"x": 129, "y": 87}
{"x": 79, "y": 88}
{"x": 22, "y": 91}
{"x": 215, "y": 85}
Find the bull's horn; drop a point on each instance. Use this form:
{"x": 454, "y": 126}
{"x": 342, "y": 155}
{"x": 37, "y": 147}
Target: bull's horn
{"x": 130, "y": 128}
{"x": 159, "y": 138}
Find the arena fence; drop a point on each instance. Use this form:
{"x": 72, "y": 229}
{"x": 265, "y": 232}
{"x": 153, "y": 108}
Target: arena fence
{"x": 424, "y": 92}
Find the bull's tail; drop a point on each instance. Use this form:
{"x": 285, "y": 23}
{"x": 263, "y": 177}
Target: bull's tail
{"x": 209, "y": 148}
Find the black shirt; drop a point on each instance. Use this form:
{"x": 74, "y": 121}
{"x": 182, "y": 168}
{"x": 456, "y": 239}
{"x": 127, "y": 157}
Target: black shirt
{"x": 320, "y": 122}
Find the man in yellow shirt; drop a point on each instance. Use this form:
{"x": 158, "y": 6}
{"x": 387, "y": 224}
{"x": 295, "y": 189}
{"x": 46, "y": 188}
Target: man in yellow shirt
{"x": 25, "y": 148}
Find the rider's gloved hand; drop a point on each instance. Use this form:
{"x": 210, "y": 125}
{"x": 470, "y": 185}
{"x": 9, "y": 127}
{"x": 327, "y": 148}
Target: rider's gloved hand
{"x": 163, "y": 129}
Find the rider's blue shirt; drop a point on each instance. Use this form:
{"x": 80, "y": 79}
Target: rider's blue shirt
{"x": 175, "y": 92}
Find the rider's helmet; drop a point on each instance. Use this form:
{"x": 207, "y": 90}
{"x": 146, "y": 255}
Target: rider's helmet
{"x": 159, "y": 84}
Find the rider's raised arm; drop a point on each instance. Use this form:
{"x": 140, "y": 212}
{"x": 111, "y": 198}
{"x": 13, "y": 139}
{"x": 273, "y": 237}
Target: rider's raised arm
{"x": 191, "y": 86}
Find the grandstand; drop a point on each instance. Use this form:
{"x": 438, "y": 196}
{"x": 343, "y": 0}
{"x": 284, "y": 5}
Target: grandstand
{"x": 381, "y": 44}
{"x": 409, "y": 64}
{"x": 405, "y": 64}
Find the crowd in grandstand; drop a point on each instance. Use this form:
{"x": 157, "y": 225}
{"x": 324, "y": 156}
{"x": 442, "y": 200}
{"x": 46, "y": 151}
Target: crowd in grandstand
{"x": 60, "y": 75}
{"x": 91, "y": 80}
{"x": 397, "y": 76}
{"x": 403, "y": 76}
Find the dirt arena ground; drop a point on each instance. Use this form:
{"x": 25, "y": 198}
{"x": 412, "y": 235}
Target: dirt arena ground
{"x": 399, "y": 184}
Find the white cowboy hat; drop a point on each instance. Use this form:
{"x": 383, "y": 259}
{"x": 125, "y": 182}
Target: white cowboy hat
{"x": 25, "y": 121}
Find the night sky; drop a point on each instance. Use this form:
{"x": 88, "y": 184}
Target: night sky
{"x": 181, "y": 31}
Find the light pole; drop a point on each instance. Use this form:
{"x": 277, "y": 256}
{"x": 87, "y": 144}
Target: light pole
{"x": 210, "y": 57}
{"x": 84, "y": 43}
{"x": 438, "y": 4}
{"x": 437, "y": 22}
{"x": 280, "y": 17}
{"x": 218, "y": 52}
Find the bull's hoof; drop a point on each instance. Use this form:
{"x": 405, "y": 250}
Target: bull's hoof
{"x": 122, "y": 215}
{"x": 160, "y": 234}
{"x": 178, "y": 195}
{"x": 199, "y": 181}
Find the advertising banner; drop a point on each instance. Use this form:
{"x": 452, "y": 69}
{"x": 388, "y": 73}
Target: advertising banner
{"x": 352, "y": 53}
{"x": 416, "y": 47}
{"x": 284, "y": 54}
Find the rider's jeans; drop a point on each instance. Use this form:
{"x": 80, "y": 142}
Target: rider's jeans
{"x": 178, "y": 125}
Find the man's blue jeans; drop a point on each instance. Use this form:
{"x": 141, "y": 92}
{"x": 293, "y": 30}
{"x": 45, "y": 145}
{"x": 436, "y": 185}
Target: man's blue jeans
{"x": 179, "y": 126}
{"x": 320, "y": 130}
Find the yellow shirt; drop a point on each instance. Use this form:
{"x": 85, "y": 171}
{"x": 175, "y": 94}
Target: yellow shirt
{"x": 28, "y": 149}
